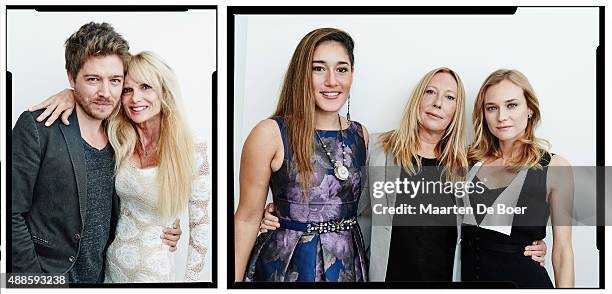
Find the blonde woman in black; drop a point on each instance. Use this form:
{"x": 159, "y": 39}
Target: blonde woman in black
{"x": 518, "y": 172}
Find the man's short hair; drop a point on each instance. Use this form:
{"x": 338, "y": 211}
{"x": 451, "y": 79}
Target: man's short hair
{"x": 94, "y": 39}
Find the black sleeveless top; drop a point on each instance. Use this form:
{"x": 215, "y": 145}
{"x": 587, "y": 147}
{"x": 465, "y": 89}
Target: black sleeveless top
{"x": 489, "y": 255}
{"x": 423, "y": 246}
{"x": 526, "y": 227}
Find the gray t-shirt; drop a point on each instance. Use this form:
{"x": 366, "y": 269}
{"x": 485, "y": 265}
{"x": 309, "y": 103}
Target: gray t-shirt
{"x": 89, "y": 266}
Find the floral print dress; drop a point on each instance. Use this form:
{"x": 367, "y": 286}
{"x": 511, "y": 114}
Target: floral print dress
{"x": 287, "y": 255}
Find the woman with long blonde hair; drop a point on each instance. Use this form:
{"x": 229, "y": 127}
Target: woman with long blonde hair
{"x": 519, "y": 172}
{"x": 311, "y": 159}
{"x": 159, "y": 172}
{"x": 431, "y": 125}
{"x": 429, "y": 146}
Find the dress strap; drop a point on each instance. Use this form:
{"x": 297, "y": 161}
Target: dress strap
{"x": 359, "y": 156}
{"x": 357, "y": 126}
{"x": 546, "y": 158}
{"x": 284, "y": 135}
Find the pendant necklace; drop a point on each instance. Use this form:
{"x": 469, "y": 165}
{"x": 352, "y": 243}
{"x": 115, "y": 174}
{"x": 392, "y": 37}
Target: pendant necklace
{"x": 340, "y": 170}
{"x": 145, "y": 154}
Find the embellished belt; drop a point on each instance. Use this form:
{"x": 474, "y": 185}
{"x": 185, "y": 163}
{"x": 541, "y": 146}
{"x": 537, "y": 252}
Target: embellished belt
{"x": 321, "y": 228}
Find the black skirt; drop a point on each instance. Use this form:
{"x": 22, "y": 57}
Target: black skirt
{"x": 488, "y": 257}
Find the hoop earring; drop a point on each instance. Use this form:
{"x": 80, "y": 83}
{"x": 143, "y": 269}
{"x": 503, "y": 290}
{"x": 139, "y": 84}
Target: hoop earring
{"x": 348, "y": 110}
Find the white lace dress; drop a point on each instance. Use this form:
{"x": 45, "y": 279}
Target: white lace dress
{"x": 137, "y": 253}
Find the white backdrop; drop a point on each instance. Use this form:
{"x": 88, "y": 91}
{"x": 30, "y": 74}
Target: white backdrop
{"x": 553, "y": 47}
{"x": 185, "y": 40}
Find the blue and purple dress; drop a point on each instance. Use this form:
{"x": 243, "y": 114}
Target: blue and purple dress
{"x": 319, "y": 238}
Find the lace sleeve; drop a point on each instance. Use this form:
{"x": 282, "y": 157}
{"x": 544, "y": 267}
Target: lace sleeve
{"x": 199, "y": 221}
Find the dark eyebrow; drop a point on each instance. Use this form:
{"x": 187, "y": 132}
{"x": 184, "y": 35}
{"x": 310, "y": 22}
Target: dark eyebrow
{"x": 339, "y": 62}
{"x": 97, "y": 76}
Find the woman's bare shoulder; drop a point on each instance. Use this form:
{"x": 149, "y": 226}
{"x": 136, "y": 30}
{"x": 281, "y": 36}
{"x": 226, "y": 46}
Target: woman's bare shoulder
{"x": 264, "y": 141}
{"x": 558, "y": 160}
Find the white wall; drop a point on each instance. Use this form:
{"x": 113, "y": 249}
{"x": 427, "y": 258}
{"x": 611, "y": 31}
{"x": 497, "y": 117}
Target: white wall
{"x": 185, "y": 40}
{"x": 553, "y": 47}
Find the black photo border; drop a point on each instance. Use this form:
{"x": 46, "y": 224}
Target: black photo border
{"x": 398, "y": 10}
{"x": 213, "y": 144}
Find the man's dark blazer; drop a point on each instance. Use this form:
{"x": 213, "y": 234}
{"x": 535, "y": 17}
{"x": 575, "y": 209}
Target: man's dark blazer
{"x": 49, "y": 195}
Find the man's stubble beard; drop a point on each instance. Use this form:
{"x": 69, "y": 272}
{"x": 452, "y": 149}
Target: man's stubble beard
{"x": 86, "y": 107}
